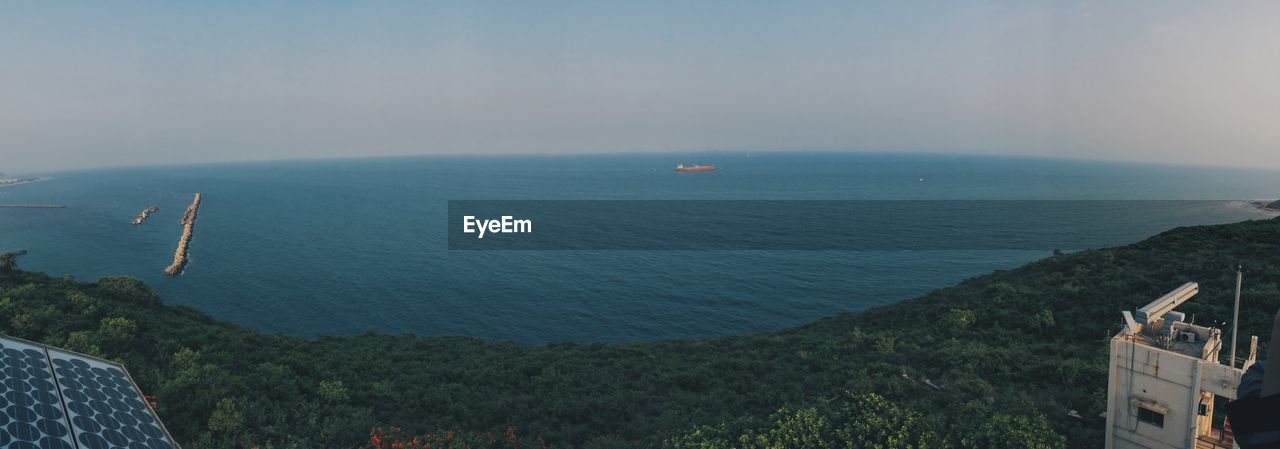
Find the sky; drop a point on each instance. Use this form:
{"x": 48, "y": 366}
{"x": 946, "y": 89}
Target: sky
{"x": 92, "y": 84}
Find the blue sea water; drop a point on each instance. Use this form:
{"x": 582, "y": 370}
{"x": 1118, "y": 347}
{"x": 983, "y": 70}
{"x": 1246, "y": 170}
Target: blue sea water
{"x": 343, "y": 246}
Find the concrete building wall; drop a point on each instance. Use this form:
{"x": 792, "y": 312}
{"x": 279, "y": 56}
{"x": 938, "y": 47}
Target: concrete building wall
{"x": 1163, "y": 381}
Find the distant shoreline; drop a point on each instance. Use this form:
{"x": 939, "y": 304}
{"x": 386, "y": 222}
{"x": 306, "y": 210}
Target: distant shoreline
{"x": 1267, "y": 205}
{"x": 17, "y": 181}
{"x": 32, "y": 206}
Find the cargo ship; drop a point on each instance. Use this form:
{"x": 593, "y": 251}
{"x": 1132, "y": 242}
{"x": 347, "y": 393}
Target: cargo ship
{"x": 682, "y": 167}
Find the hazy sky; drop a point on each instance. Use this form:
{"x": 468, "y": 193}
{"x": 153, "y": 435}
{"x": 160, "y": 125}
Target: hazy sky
{"x": 85, "y": 84}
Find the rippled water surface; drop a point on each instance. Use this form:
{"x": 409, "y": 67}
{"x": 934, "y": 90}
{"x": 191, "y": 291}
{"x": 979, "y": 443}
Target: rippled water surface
{"x": 344, "y": 246}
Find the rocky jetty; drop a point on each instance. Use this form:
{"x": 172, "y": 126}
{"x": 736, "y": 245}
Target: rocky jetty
{"x": 142, "y": 216}
{"x": 188, "y": 227}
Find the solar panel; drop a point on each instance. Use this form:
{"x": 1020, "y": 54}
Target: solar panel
{"x": 56, "y": 399}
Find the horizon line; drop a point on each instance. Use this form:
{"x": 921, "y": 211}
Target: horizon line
{"x": 978, "y": 154}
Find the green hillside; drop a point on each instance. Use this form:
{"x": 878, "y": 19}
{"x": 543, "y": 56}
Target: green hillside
{"x": 1008, "y": 355}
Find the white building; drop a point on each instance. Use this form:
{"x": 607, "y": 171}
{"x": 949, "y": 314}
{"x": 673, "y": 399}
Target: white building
{"x": 1165, "y": 379}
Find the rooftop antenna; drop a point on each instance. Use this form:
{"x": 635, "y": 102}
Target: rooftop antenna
{"x": 1235, "y": 321}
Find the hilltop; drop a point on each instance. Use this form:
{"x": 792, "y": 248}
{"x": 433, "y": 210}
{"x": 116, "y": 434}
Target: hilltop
{"x": 995, "y": 361}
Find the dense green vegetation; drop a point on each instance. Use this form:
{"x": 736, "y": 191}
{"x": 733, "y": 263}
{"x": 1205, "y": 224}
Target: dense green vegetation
{"x": 996, "y": 361}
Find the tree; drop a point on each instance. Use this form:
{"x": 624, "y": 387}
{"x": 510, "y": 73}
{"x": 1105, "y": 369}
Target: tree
{"x": 850, "y": 421}
{"x": 961, "y": 318}
{"x": 84, "y": 342}
{"x": 805, "y": 428}
{"x": 226, "y": 417}
{"x": 333, "y": 391}
{"x": 1043, "y": 320}
{"x": 117, "y": 328}
{"x": 1009, "y": 431}
{"x": 397, "y": 438}
{"x": 9, "y": 261}
{"x": 871, "y": 421}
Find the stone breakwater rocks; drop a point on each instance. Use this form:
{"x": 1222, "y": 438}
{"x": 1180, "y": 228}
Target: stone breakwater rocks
{"x": 142, "y": 216}
{"x": 188, "y": 226}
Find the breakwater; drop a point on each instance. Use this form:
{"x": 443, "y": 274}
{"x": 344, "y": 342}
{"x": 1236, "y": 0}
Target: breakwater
{"x": 31, "y": 206}
{"x": 142, "y": 216}
{"x": 188, "y": 226}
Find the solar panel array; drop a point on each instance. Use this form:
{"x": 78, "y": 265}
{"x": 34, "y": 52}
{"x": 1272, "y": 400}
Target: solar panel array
{"x": 55, "y": 399}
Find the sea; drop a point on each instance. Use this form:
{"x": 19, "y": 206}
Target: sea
{"x": 338, "y": 247}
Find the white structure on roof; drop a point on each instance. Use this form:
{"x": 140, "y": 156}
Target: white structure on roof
{"x": 1165, "y": 378}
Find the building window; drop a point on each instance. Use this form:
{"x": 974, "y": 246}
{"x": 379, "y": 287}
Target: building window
{"x": 1149, "y": 416}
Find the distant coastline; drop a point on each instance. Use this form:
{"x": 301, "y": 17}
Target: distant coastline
{"x": 5, "y": 182}
{"x": 32, "y": 206}
{"x": 1268, "y": 205}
